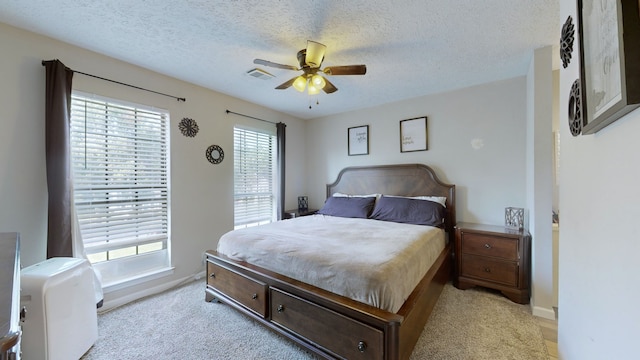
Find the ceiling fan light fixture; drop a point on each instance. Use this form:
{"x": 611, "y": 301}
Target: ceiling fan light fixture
{"x": 313, "y": 90}
{"x": 300, "y": 83}
{"x": 318, "y": 81}
{"x": 315, "y": 53}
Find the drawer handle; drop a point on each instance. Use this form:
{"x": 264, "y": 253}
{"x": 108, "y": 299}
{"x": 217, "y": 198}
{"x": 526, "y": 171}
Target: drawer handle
{"x": 362, "y": 346}
{"x": 212, "y": 275}
{"x": 280, "y": 308}
{"x": 487, "y": 270}
{"x": 254, "y": 296}
{"x": 487, "y": 246}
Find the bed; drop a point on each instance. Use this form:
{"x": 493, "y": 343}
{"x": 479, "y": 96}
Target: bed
{"x": 321, "y": 318}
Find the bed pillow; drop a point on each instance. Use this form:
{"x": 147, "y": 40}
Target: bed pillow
{"x": 349, "y": 207}
{"x": 439, "y": 199}
{"x": 338, "y": 194}
{"x": 349, "y": 195}
{"x": 409, "y": 211}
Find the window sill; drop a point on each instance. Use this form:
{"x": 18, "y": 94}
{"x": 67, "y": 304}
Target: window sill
{"x": 116, "y": 285}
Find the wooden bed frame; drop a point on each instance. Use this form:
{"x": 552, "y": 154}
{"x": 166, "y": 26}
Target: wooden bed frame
{"x": 330, "y": 325}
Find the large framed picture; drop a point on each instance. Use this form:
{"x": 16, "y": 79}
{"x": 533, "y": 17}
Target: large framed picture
{"x": 413, "y": 134}
{"x": 609, "y": 60}
{"x": 358, "y": 140}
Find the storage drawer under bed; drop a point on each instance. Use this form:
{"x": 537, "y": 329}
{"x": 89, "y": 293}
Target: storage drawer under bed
{"x": 326, "y": 328}
{"x": 250, "y": 293}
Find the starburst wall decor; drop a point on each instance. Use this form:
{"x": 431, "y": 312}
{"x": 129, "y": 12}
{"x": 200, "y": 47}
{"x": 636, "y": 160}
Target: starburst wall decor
{"x": 188, "y": 127}
{"x": 566, "y": 41}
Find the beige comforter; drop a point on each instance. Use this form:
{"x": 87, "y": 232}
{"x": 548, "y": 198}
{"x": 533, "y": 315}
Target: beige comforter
{"x": 371, "y": 261}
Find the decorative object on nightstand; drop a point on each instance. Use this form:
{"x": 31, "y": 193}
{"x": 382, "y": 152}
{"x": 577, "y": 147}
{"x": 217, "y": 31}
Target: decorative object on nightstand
{"x": 495, "y": 257}
{"x": 294, "y": 213}
{"x": 514, "y": 217}
{"x": 303, "y": 203}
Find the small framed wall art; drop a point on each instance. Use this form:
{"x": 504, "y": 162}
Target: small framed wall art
{"x": 609, "y": 60}
{"x": 358, "y": 140}
{"x": 413, "y": 134}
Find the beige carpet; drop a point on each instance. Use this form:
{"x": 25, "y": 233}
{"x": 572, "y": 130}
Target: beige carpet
{"x": 480, "y": 324}
{"x": 179, "y": 324}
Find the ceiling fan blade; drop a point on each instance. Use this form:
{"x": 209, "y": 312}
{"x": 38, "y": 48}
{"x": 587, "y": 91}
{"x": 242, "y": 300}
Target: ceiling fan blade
{"x": 286, "y": 84}
{"x": 315, "y": 53}
{"x": 346, "y": 70}
{"x": 329, "y": 87}
{"x": 275, "y": 65}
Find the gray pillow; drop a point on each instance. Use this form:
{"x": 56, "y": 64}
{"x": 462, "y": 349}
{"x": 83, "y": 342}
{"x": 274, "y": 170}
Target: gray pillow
{"x": 350, "y": 207}
{"x": 409, "y": 211}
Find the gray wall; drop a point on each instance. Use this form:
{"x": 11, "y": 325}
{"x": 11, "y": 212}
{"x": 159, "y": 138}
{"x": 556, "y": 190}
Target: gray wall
{"x": 476, "y": 141}
{"x": 599, "y": 316}
{"x": 202, "y": 193}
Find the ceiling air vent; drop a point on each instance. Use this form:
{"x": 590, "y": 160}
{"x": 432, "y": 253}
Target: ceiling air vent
{"x": 259, "y": 74}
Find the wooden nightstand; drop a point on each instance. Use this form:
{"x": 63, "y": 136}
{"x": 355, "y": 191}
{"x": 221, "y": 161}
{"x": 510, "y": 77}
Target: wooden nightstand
{"x": 290, "y": 214}
{"x": 495, "y": 257}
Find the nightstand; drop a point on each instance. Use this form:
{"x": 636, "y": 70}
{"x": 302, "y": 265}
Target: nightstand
{"x": 290, "y": 214}
{"x": 494, "y": 257}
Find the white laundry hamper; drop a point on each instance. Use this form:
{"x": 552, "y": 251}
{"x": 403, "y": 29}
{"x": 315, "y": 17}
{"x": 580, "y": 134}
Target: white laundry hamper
{"x": 61, "y": 320}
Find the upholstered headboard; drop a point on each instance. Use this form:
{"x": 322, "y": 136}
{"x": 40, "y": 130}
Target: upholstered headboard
{"x": 402, "y": 179}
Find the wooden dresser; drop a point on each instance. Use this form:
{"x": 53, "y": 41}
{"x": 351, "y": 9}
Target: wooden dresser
{"x": 494, "y": 257}
{"x": 9, "y": 296}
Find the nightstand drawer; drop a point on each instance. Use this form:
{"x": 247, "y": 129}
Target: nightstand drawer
{"x": 492, "y": 270}
{"x": 495, "y": 246}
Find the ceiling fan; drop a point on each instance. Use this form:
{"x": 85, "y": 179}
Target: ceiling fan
{"x": 310, "y": 60}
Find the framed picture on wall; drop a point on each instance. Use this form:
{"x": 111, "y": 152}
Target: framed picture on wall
{"x": 609, "y": 60}
{"x": 358, "y": 140}
{"x": 413, "y": 134}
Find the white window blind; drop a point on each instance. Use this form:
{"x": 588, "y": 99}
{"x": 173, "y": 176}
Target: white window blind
{"x": 254, "y": 168}
{"x": 120, "y": 174}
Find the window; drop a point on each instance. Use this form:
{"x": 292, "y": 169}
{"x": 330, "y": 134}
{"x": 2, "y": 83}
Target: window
{"x": 120, "y": 166}
{"x": 254, "y": 174}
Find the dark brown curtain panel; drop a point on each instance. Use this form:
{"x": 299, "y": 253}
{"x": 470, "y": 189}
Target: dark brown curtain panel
{"x": 57, "y": 117}
{"x": 280, "y": 134}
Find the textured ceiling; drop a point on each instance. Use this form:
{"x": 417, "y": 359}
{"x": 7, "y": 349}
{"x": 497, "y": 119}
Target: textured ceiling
{"x": 411, "y": 48}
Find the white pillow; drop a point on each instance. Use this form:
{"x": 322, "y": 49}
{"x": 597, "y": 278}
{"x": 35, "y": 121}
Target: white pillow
{"x": 377, "y": 196}
{"x": 439, "y": 199}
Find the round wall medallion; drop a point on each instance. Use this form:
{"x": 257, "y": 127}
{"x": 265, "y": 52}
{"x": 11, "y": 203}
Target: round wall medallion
{"x": 566, "y": 42}
{"x": 188, "y": 127}
{"x": 215, "y": 155}
{"x": 575, "y": 109}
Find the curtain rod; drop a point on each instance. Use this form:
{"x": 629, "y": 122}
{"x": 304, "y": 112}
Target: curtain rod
{"x": 121, "y": 83}
{"x": 247, "y": 116}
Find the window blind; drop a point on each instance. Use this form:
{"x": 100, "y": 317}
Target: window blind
{"x": 254, "y": 194}
{"x": 120, "y": 173}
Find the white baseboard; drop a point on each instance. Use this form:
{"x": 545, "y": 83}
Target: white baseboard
{"x": 543, "y": 313}
{"x": 110, "y": 304}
